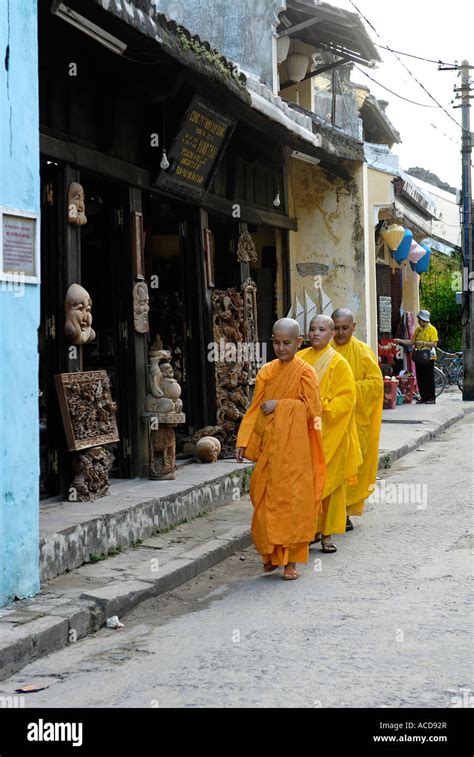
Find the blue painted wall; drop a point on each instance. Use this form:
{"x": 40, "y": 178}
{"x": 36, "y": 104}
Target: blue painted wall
{"x": 19, "y": 311}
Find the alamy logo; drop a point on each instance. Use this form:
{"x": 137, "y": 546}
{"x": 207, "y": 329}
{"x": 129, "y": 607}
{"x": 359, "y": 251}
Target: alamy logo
{"x": 42, "y": 731}
{"x": 385, "y": 493}
{"x": 12, "y": 702}
{"x": 243, "y": 352}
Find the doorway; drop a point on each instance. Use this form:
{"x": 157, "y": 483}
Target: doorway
{"x": 173, "y": 268}
{"x": 106, "y": 274}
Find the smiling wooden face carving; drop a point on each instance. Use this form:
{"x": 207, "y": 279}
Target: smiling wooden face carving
{"x": 78, "y": 307}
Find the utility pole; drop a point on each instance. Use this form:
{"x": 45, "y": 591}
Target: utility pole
{"x": 463, "y": 94}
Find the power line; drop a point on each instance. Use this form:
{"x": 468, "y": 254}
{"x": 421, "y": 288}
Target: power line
{"x": 444, "y": 135}
{"x": 406, "y": 67}
{"x": 422, "y": 105}
{"x": 417, "y": 57}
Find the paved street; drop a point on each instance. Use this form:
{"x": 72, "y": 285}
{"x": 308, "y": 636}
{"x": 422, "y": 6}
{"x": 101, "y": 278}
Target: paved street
{"x": 384, "y": 622}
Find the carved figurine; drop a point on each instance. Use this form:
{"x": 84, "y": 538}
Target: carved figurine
{"x": 141, "y": 308}
{"x": 92, "y": 468}
{"x": 164, "y": 391}
{"x": 78, "y": 306}
{"x": 163, "y": 406}
{"x": 163, "y": 454}
{"x": 76, "y": 209}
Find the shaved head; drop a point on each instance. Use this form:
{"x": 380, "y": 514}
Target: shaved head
{"x": 286, "y": 339}
{"x": 344, "y": 325}
{"x": 321, "y": 331}
{"x": 343, "y": 313}
{"x": 326, "y": 319}
{"x": 287, "y": 326}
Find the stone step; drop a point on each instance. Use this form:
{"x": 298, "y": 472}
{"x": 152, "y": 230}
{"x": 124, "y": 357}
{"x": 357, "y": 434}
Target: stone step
{"x": 78, "y": 603}
{"x": 73, "y": 533}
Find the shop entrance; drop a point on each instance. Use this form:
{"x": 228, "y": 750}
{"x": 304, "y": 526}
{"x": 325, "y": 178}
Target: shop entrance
{"x": 99, "y": 259}
{"x": 173, "y": 268}
{"x": 107, "y": 276}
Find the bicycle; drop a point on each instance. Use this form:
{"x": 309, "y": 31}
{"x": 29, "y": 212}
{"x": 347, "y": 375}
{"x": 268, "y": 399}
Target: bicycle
{"x": 439, "y": 380}
{"x": 451, "y": 364}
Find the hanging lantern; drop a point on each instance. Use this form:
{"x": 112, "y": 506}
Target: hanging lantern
{"x": 424, "y": 262}
{"x": 283, "y": 45}
{"x": 416, "y": 253}
{"x": 393, "y": 235}
{"x": 403, "y": 249}
{"x": 296, "y": 66}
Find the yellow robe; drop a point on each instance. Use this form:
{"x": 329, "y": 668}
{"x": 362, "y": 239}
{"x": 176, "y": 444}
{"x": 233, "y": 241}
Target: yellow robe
{"x": 288, "y": 480}
{"x": 369, "y": 388}
{"x": 341, "y": 444}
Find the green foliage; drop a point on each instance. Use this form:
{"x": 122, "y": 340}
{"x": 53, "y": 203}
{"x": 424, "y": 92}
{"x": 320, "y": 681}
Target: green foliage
{"x": 385, "y": 461}
{"x": 96, "y": 557}
{"x": 438, "y": 295}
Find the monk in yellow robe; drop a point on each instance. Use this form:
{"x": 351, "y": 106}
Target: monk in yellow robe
{"x": 369, "y": 403}
{"x": 281, "y": 432}
{"x": 341, "y": 444}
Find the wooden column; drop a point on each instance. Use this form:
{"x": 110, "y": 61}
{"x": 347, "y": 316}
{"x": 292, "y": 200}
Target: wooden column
{"x": 141, "y": 341}
{"x": 72, "y": 358}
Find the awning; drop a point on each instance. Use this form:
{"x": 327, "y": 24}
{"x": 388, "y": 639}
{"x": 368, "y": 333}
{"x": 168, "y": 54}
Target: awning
{"x": 332, "y": 29}
{"x": 252, "y": 101}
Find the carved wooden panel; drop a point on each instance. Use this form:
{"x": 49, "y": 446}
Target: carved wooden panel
{"x": 87, "y": 409}
{"x": 249, "y": 294}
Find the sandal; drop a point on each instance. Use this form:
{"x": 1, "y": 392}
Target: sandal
{"x": 328, "y": 547}
{"x": 290, "y": 575}
{"x": 349, "y": 526}
{"x": 268, "y": 567}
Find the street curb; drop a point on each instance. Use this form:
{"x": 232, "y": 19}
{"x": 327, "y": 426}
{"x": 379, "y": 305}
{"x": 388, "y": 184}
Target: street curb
{"x": 72, "y": 546}
{"x": 80, "y": 614}
{"x": 387, "y": 457}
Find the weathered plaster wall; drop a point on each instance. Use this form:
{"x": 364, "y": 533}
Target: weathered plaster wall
{"x": 330, "y": 234}
{"x": 19, "y": 315}
{"x": 241, "y": 30}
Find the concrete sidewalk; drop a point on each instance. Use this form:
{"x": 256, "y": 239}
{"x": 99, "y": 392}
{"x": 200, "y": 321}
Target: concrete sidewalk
{"x": 407, "y": 427}
{"x": 77, "y": 603}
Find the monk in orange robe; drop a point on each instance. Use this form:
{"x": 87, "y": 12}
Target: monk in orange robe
{"x": 369, "y": 402}
{"x": 281, "y": 432}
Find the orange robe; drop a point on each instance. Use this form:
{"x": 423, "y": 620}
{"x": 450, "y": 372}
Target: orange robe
{"x": 288, "y": 479}
{"x": 369, "y": 402}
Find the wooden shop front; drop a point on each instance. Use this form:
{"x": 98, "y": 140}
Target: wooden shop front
{"x": 166, "y": 256}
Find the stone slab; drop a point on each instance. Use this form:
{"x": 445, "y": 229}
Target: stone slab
{"x": 22, "y": 644}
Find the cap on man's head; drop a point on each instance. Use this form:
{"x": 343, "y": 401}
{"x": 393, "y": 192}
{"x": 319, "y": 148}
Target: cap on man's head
{"x": 424, "y": 315}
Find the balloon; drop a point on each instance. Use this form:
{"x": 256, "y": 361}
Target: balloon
{"x": 403, "y": 249}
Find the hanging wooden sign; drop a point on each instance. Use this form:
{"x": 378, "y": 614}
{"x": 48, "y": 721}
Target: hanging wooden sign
{"x": 194, "y": 155}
